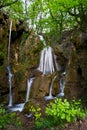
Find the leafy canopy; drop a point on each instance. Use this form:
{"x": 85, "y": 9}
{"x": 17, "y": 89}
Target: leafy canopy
{"x": 48, "y": 15}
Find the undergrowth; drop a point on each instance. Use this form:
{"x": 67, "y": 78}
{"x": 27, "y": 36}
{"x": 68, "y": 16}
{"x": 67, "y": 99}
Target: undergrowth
{"x": 7, "y": 119}
{"x": 58, "y": 113}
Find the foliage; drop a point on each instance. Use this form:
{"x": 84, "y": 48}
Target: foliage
{"x": 48, "y": 16}
{"x": 7, "y": 119}
{"x": 58, "y": 15}
{"x": 14, "y": 8}
{"x": 63, "y": 111}
{"x": 58, "y": 113}
{"x": 36, "y": 112}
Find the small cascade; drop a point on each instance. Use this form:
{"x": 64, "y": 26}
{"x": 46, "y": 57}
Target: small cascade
{"x": 42, "y": 39}
{"x": 50, "y": 92}
{"x": 17, "y": 107}
{"x": 62, "y": 86}
{"x": 29, "y": 83}
{"x": 9, "y": 68}
{"x": 10, "y": 85}
{"x": 46, "y": 61}
{"x": 9, "y": 44}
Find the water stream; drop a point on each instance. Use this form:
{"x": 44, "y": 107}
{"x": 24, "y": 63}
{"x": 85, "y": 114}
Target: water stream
{"x": 19, "y": 107}
{"x": 29, "y": 83}
{"x": 46, "y": 61}
{"x": 42, "y": 39}
{"x": 9, "y": 68}
{"x": 62, "y": 86}
{"x": 50, "y": 92}
{"x": 48, "y": 64}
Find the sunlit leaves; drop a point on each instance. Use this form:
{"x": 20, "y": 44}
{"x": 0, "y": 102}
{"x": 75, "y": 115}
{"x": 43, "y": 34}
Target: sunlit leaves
{"x": 50, "y": 15}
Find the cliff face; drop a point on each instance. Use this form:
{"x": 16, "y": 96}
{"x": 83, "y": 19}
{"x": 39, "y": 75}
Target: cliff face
{"x": 76, "y": 76}
{"x": 4, "y": 25}
{"x": 25, "y": 54}
{"x": 16, "y": 38}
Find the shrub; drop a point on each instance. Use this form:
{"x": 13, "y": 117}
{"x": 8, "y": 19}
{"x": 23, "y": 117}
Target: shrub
{"x": 63, "y": 111}
{"x": 7, "y": 119}
{"x": 58, "y": 113}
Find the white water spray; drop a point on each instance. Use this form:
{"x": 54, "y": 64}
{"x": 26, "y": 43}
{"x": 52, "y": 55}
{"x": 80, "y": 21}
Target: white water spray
{"x": 20, "y": 107}
{"x": 9, "y": 42}
{"x": 17, "y": 107}
{"x": 42, "y": 39}
{"x": 29, "y": 83}
{"x": 62, "y": 86}
{"x": 9, "y": 69}
{"x": 50, "y": 92}
{"x": 46, "y": 61}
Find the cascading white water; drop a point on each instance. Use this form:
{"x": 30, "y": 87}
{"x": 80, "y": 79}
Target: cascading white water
{"x": 42, "y": 39}
{"x": 62, "y": 86}
{"x": 29, "y": 83}
{"x": 9, "y": 69}
{"x": 19, "y": 107}
{"x": 9, "y": 42}
{"x": 46, "y": 61}
{"x": 10, "y": 85}
{"x": 50, "y": 92}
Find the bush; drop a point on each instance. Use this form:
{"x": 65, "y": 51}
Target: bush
{"x": 63, "y": 111}
{"x": 58, "y": 113}
{"x": 7, "y": 119}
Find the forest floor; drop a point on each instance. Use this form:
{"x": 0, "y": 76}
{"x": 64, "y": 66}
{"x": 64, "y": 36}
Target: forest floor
{"x": 28, "y": 124}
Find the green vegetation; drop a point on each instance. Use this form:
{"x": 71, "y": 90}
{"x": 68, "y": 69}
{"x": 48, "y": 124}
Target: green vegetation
{"x": 36, "y": 111}
{"x": 49, "y": 16}
{"x": 63, "y": 111}
{"x": 58, "y": 113}
{"x": 7, "y": 119}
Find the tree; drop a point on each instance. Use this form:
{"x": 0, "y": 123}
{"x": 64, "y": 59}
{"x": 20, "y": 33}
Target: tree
{"x": 59, "y": 14}
{"x": 49, "y": 16}
{"x": 7, "y": 3}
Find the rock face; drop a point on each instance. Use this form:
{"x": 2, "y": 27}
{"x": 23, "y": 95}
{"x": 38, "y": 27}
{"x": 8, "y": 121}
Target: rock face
{"x": 16, "y": 37}
{"x": 25, "y": 55}
{"x": 41, "y": 86}
{"x": 4, "y": 24}
{"x": 76, "y": 76}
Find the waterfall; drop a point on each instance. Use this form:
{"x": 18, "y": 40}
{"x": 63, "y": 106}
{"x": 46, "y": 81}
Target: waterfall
{"x": 10, "y": 84}
{"x": 29, "y": 83}
{"x": 9, "y": 42}
{"x": 50, "y": 92}
{"x": 9, "y": 68}
{"x": 62, "y": 86}
{"x": 46, "y": 61}
{"x": 42, "y": 39}
{"x": 19, "y": 107}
